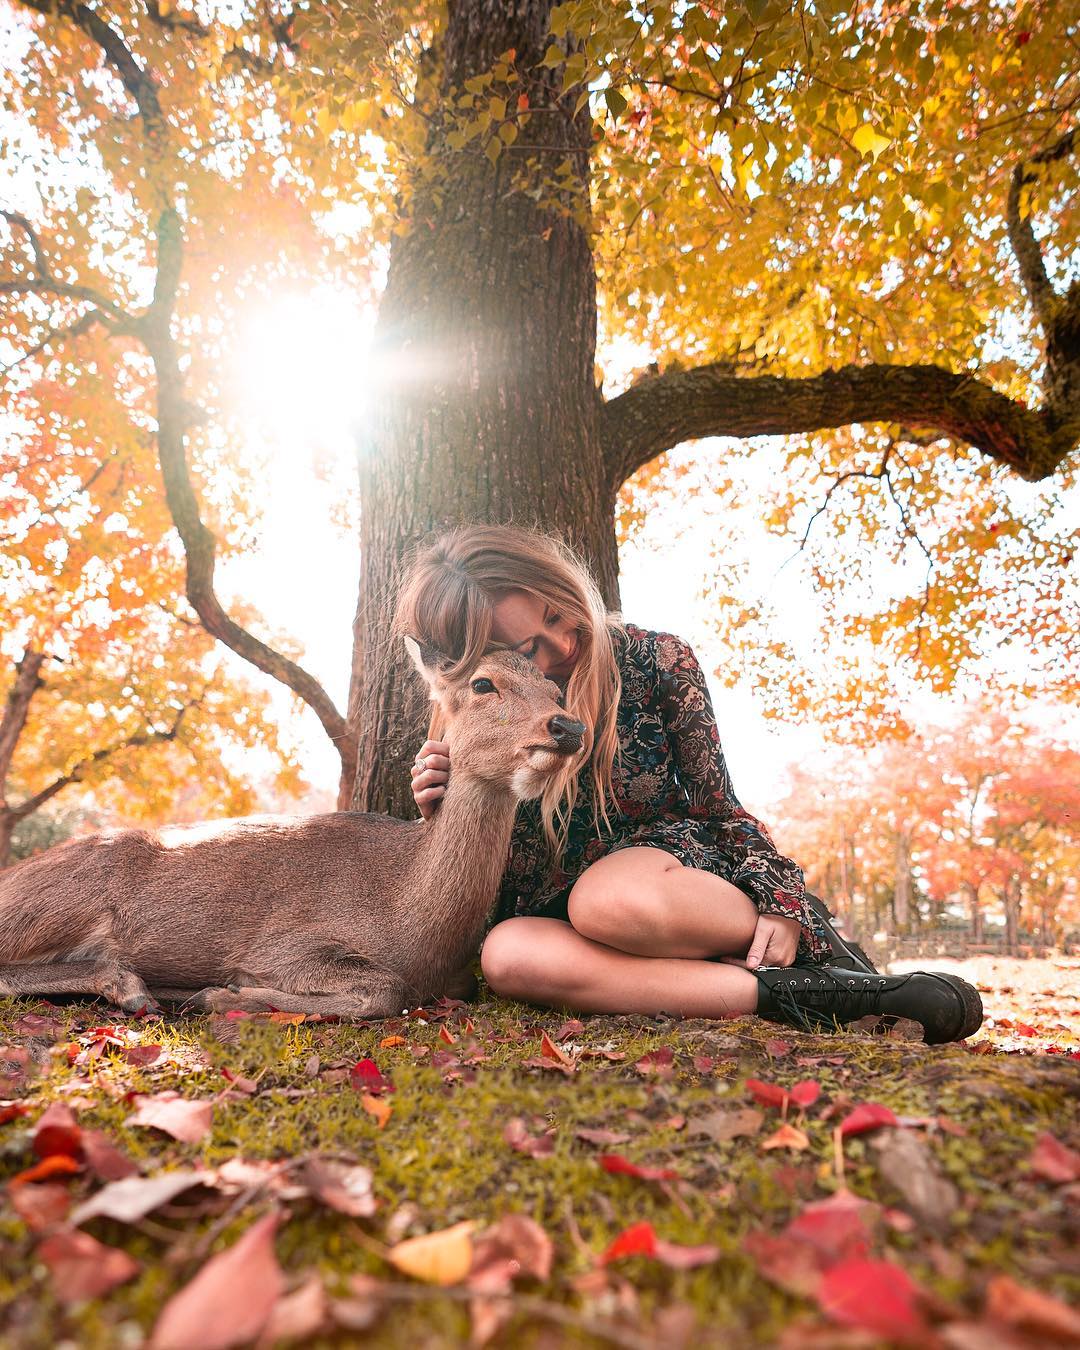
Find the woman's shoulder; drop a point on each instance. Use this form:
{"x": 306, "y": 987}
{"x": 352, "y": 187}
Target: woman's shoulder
{"x": 655, "y": 648}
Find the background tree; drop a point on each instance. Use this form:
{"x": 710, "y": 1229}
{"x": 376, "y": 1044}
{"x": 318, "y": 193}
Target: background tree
{"x": 812, "y": 217}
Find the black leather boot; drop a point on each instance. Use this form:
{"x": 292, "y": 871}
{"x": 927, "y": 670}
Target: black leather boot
{"x": 818, "y": 998}
{"x": 845, "y": 954}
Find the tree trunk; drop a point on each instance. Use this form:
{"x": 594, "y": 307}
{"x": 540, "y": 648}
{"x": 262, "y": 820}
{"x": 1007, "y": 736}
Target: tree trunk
{"x": 975, "y": 909}
{"x": 902, "y": 884}
{"x": 484, "y": 401}
{"x": 1012, "y": 915}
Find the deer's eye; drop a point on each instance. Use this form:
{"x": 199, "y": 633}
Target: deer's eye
{"x": 482, "y": 686}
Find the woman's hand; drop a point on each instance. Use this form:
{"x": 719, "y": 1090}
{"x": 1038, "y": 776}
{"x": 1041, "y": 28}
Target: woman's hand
{"x": 430, "y": 775}
{"x": 775, "y": 942}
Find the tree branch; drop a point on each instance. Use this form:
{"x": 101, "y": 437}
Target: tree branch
{"x": 174, "y": 411}
{"x": 662, "y": 411}
{"x": 27, "y": 682}
{"x": 82, "y": 768}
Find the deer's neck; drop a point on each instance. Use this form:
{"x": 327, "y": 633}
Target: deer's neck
{"x": 455, "y": 877}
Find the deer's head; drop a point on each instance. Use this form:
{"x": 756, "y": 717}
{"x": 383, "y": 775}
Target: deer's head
{"x": 505, "y": 720}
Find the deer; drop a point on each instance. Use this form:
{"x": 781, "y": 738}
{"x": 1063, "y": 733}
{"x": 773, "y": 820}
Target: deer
{"x": 352, "y": 914}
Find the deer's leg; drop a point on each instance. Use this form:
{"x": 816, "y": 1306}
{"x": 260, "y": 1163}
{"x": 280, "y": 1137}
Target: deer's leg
{"x": 103, "y": 979}
{"x": 462, "y": 985}
{"x": 361, "y": 991}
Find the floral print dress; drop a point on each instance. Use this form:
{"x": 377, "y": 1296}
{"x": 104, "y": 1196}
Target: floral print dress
{"x": 672, "y": 791}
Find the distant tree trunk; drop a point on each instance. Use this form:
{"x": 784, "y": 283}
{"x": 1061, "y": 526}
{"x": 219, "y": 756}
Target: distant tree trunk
{"x": 486, "y": 407}
{"x": 902, "y": 883}
{"x": 1012, "y": 914}
{"x": 975, "y": 910}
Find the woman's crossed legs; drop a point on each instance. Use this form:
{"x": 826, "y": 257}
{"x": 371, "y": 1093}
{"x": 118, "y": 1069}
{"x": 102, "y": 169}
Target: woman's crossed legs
{"x": 641, "y": 925}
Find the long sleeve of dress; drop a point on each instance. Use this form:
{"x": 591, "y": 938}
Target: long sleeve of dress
{"x": 774, "y": 883}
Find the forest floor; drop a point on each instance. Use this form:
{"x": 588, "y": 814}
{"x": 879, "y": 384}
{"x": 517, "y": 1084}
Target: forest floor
{"x": 497, "y": 1175}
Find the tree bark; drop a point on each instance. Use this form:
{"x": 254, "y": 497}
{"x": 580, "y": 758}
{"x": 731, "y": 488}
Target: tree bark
{"x": 1012, "y": 915}
{"x": 975, "y": 910}
{"x": 485, "y": 407}
{"x": 902, "y": 884}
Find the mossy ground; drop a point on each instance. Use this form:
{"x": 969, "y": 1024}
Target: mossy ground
{"x": 442, "y": 1153}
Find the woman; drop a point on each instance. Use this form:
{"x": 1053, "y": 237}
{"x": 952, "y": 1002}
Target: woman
{"x": 637, "y": 883}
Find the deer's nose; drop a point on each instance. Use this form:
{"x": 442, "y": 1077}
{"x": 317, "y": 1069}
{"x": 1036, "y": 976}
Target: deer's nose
{"x": 566, "y": 732}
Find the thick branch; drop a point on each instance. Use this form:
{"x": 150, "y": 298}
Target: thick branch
{"x": 1026, "y": 250}
{"x": 661, "y": 411}
{"x": 83, "y": 767}
{"x": 27, "y": 682}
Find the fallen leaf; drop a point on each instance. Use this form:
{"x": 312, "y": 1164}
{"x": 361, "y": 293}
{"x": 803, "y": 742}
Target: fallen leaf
{"x": 230, "y": 1300}
{"x": 131, "y": 1198}
{"x": 518, "y": 1137}
{"x": 345, "y": 1187}
{"x": 443, "y": 1257}
{"x": 56, "y": 1165}
{"x": 297, "y": 1316}
{"x": 388, "y": 1041}
{"x": 365, "y": 1077}
{"x": 766, "y": 1094}
{"x": 445, "y": 1034}
{"x": 786, "y": 1261}
{"x": 1054, "y": 1161}
{"x": 837, "y": 1228}
{"x": 806, "y": 1093}
{"x": 141, "y": 1055}
{"x": 104, "y": 1159}
{"x": 723, "y": 1126}
{"x": 787, "y": 1136}
{"x": 515, "y": 1245}
{"x": 1030, "y": 1310}
{"x": 13, "y": 1111}
{"x": 239, "y": 1083}
{"x": 601, "y": 1136}
{"x": 777, "y": 1048}
{"x": 57, "y": 1132}
{"x": 640, "y": 1240}
{"x": 657, "y": 1063}
{"x": 876, "y": 1296}
{"x": 615, "y": 1162}
{"x": 549, "y": 1050}
{"x": 83, "y": 1268}
{"x": 40, "y": 1207}
{"x": 182, "y": 1117}
{"x": 572, "y": 1027}
{"x": 906, "y": 1163}
{"x": 375, "y": 1106}
{"x": 867, "y": 1116}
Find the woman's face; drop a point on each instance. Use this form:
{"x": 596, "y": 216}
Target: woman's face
{"x": 534, "y": 629}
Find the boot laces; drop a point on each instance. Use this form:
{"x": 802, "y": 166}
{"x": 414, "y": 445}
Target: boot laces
{"x": 812, "y": 1000}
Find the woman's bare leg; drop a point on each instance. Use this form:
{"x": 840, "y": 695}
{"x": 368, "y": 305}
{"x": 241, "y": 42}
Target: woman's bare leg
{"x": 547, "y": 961}
{"x": 645, "y": 902}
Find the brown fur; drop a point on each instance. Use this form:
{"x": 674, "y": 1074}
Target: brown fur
{"x": 355, "y": 914}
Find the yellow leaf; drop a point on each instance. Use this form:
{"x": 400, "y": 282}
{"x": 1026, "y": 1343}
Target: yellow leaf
{"x": 868, "y": 141}
{"x": 443, "y": 1257}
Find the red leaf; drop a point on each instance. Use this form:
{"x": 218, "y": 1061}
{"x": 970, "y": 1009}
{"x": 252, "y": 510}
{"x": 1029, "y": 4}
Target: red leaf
{"x": 343, "y": 1186}
{"x": 574, "y": 1026}
{"x": 13, "y": 1111}
{"x": 57, "y": 1132}
{"x": 55, "y": 1165}
{"x": 866, "y": 1116}
{"x": 786, "y": 1262}
{"x": 806, "y": 1093}
{"x": 142, "y": 1055}
{"x": 518, "y": 1137}
{"x": 42, "y": 1206}
{"x": 766, "y": 1094}
{"x": 184, "y": 1118}
{"x": 229, "y": 1300}
{"x": 615, "y": 1162}
{"x": 82, "y": 1267}
{"x": 365, "y": 1077}
{"x": 875, "y": 1296}
{"x": 104, "y": 1159}
{"x": 679, "y": 1257}
{"x": 1023, "y": 1029}
{"x": 549, "y": 1050}
{"x": 1053, "y": 1160}
{"x": 637, "y": 1240}
{"x": 777, "y": 1048}
{"x": 657, "y": 1063}
{"x": 601, "y": 1136}
{"x": 245, "y": 1085}
{"x": 838, "y": 1228}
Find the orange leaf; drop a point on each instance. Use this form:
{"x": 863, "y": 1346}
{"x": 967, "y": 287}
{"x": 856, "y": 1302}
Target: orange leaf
{"x": 787, "y": 1136}
{"x": 443, "y": 1257}
{"x": 375, "y": 1106}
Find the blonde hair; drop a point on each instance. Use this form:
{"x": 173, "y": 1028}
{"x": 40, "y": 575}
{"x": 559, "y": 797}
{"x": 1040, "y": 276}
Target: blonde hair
{"x": 452, "y": 583}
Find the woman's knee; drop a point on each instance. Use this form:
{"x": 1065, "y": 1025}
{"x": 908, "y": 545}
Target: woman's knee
{"x": 608, "y": 907}
{"x": 509, "y": 956}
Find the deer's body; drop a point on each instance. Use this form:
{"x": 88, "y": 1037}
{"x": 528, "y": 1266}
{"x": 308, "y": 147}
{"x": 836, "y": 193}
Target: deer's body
{"x": 351, "y": 913}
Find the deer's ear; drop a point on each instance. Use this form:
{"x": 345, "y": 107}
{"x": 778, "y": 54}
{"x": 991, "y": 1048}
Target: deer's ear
{"x": 429, "y": 661}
